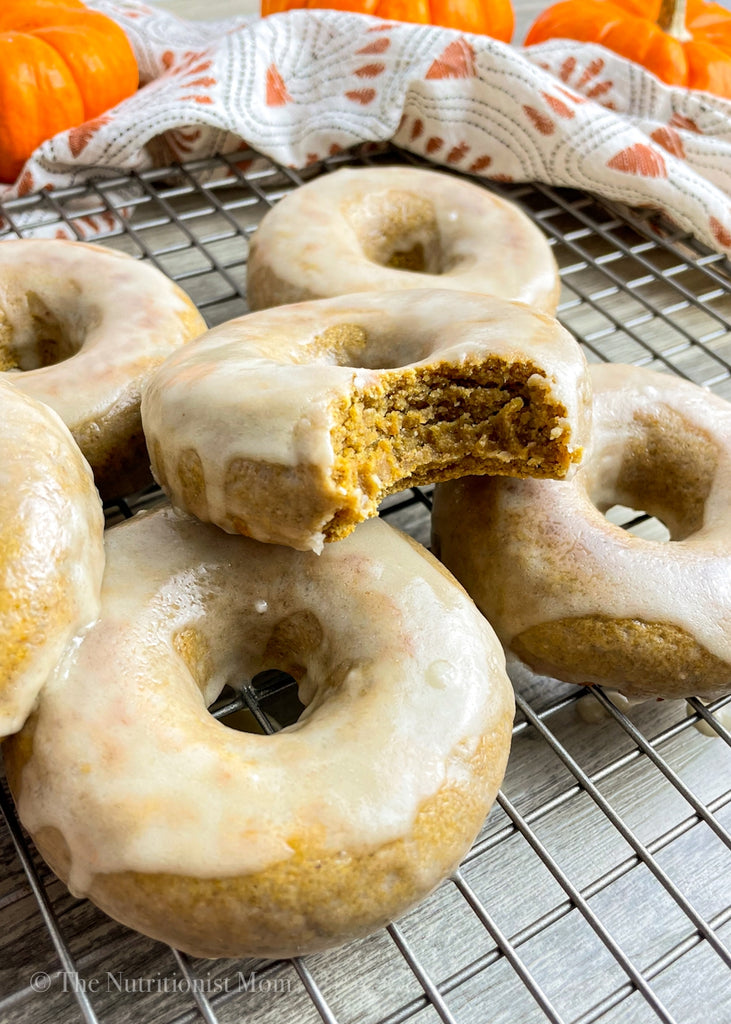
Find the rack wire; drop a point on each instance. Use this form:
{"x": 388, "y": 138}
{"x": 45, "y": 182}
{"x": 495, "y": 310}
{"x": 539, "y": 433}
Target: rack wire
{"x": 599, "y": 889}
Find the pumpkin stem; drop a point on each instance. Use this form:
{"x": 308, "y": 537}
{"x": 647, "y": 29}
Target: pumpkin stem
{"x": 672, "y": 20}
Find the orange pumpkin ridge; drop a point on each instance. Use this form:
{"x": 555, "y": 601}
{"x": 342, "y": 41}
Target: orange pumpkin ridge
{"x": 76, "y": 63}
{"x": 495, "y": 19}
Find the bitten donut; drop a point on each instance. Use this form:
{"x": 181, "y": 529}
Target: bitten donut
{"x": 390, "y": 228}
{"x": 226, "y": 843}
{"x": 81, "y": 328}
{"x": 51, "y": 553}
{"x": 583, "y": 600}
{"x": 290, "y": 425}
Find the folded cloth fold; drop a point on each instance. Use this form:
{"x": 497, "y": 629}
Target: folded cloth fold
{"x": 302, "y": 85}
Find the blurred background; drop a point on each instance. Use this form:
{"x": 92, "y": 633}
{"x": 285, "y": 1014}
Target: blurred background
{"x": 525, "y": 10}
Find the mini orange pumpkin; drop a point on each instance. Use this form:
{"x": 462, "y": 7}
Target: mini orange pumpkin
{"x": 60, "y": 64}
{"x": 687, "y": 47}
{"x": 485, "y": 17}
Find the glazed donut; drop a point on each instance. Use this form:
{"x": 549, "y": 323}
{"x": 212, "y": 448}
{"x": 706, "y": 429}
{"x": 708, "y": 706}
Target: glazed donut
{"x": 289, "y": 425}
{"x": 390, "y": 228}
{"x": 81, "y": 328}
{"x": 581, "y": 599}
{"x": 225, "y": 843}
{"x": 51, "y": 553}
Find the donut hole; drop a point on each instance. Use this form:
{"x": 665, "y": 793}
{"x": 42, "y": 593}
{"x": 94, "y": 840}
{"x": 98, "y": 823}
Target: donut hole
{"x": 38, "y": 338}
{"x": 398, "y": 229}
{"x": 638, "y": 522}
{"x": 667, "y": 469}
{"x": 270, "y": 702}
{"x": 350, "y": 344}
{"x": 277, "y": 697}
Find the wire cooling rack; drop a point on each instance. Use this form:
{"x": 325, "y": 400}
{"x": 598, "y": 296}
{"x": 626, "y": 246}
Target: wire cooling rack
{"x": 599, "y": 889}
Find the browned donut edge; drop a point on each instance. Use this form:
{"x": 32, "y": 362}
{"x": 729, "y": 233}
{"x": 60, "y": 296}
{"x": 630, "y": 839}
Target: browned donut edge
{"x": 314, "y": 900}
{"x": 641, "y": 659}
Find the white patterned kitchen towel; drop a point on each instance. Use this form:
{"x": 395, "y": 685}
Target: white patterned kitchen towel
{"x": 302, "y": 85}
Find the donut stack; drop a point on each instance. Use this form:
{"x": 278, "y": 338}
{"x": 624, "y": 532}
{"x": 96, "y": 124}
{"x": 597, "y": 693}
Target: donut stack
{"x": 413, "y": 342}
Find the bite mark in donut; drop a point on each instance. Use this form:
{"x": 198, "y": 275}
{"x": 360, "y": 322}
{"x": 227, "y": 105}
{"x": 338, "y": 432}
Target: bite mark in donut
{"x": 291, "y": 425}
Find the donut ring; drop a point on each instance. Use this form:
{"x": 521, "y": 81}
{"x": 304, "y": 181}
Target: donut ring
{"x": 583, "y": 600}
{"x": 291, "y": 424}
{"x": 51, "y": 553}
{"x": 81, "y": 329}
{"x": 390, "y": 228}
{"x": 247, "y": 845}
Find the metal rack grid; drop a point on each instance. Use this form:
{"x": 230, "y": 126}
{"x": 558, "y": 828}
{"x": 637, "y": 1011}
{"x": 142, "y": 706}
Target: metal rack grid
{"x": 599, "y": 889}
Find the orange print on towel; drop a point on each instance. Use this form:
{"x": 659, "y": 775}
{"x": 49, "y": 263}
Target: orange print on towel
{"x": 456, "y": 61}
{"x": 639, "y": 159}
{"x": 276, "y": 90}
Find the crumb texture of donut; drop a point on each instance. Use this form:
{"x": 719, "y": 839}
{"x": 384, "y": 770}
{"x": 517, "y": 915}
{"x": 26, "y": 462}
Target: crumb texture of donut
{"x": 418, "y": 427}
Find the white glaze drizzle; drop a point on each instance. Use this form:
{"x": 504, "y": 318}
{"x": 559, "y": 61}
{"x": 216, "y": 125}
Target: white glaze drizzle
{"x": 563, "y": 558}
{"x": 125, "y": 314}
{"x": 258, "y": 387}
{"x": 489, "y": 244}
{"x": 136, "y": 774}
{"x": 51, "y": 528}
